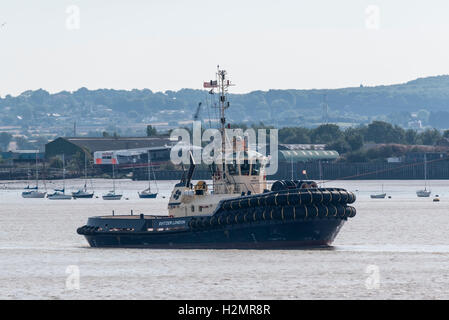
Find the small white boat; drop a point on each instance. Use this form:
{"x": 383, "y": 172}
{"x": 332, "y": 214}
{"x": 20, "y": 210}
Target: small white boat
{"x": 379, "y": 195}
{"x": 424, "y": 193}
{"x": 33, "y": 194}
{"x": 83, "y": 193}
{"x": 111, "y": 195}
{"x": 147, "y": 193}
{"x": 59, "y": 195}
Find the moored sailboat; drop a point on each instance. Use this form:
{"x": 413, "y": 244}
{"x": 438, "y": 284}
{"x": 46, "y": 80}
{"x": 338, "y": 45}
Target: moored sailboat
{"x": 83, "y": 193}
{"x": 424, "y": 193}
{"x": 112, "y": 195}
{"x": 33, "y": 192}
{"x": 59, "y": 194}
{"x": 147, "y": 193}
{"x": 381, "y": 195}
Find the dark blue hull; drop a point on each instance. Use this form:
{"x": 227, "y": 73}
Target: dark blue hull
{"x": 84, "y": 196}
{"x": 147, "y": 196}
{"x": 257, "y": 235}
{"x": 285, "y": 219}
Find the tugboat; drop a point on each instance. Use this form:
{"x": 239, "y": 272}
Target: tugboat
{"x": 237, "y": 212}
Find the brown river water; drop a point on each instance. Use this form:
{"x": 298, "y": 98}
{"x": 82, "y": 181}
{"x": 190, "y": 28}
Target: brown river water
{"x": 394, "y": 248}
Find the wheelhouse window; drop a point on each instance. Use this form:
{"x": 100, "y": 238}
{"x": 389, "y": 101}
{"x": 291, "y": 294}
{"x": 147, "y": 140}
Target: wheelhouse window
{"x": 244, "y": 168}
{"x": 232, "y": 168}
{"x": 255, "y": 169}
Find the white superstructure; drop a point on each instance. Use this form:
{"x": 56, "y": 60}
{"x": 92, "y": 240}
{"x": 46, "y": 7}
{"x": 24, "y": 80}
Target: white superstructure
{"x": 243, "y": 174}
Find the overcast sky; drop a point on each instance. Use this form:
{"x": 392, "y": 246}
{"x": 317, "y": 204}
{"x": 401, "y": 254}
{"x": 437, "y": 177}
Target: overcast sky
{"x": 168, "y": 45}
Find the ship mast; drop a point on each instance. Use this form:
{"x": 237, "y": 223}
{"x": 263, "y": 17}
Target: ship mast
{"x": 223, "y": 85}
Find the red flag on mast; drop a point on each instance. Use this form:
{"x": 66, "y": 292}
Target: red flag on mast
{"x": 210, "y": 84}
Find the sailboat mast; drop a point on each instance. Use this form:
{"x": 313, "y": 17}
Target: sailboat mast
{"x": 85, "y": 172}
{"x": 291, "y": 162}
{"x": 63, "y": 173}
{"x": 113, "y": 178}
{"x": 223, "y": 85}
{"x": 28, "y": 174}
{"x": 221, "y": 76}
{"x": 37, "y": 174}
{"x": 149, "y": 174}
{"x": 425, "y": 169}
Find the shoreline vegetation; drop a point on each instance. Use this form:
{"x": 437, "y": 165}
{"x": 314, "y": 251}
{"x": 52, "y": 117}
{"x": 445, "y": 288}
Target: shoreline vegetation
{"x": 358, "y": 146}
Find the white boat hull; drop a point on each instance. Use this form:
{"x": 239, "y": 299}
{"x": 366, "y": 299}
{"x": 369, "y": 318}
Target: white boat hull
{"x": 112, "y": 197}
{"x": 33, "y": 195}
{"x": 423, "y": 193}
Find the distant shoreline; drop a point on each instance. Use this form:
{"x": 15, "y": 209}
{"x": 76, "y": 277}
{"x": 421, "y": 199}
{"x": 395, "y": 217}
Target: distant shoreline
{"x": 314, "y": 171}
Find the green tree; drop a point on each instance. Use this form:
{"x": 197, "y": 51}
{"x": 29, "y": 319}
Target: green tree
{"x": 384, "y": 132}
{"x": 446, "y": 134}
{"x": 354, "y": 138}
{"x": 429, "y": 137}
{"x": 5, "y": 139}
{"x": 341, "y": 146}
{"x": 411, "y": 136}
{"x": 326, "y": 133}
{"x": 295, "y": 135}
{"x": 151, "y": 131}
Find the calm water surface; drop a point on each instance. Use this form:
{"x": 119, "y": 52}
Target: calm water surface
{"x": 403, "y": 242}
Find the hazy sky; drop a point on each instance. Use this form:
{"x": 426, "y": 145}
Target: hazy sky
{"x": 169, "y": 45}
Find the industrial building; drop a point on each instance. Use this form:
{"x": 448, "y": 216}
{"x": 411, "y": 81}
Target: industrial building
{"x": 22, "y": 156}
{"x": 70, "y": 146}
{"x": 133, "y": 158}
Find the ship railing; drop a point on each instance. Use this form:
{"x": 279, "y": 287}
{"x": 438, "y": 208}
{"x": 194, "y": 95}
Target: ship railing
{"x": 237, "y": 187}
